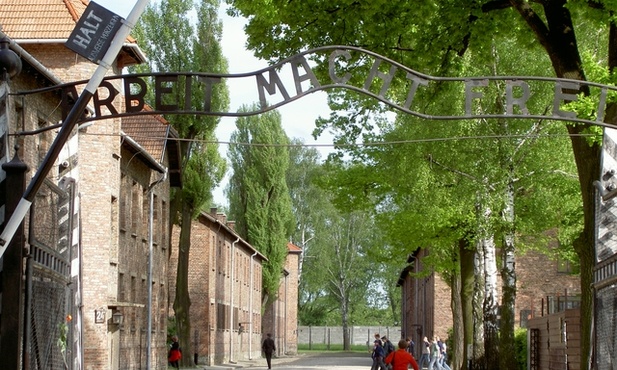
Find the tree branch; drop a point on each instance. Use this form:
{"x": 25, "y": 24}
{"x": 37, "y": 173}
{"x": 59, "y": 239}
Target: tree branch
{"x": 533, "y": 21}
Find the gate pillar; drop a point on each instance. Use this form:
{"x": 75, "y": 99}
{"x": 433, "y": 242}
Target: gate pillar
{"x": 11, "y": 316}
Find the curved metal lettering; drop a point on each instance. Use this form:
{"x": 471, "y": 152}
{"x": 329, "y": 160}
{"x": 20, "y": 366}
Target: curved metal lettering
{"x": 272, "y": 88}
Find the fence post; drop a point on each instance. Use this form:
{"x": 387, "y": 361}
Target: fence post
{"x": 12, "y": 270}
{"x": 328, "y": 336}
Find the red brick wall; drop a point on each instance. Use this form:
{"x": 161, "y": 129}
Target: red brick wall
{"x": 212, "y": 284}
{"x": 281, "y": 317}
{"x": 132, "y": 264}
{"x": 427, "y": 301}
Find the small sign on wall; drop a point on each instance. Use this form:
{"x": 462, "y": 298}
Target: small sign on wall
{"x": 99, "y": 316}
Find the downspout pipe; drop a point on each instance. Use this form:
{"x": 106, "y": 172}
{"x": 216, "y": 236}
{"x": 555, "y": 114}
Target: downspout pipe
{"x": 231, "y": 299}
{"x": 251, "y": 308}
{"x": 150, "y": 267}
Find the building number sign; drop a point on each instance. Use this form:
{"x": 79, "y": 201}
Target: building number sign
{"x": 99, "y": 316}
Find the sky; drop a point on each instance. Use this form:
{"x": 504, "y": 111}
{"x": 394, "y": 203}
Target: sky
{"x": 298, "y": 117}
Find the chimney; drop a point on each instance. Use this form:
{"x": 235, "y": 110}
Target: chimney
{"x": 231, "y": 225}
{"x": 222, "y": 218}
{"x": 213, "y": 211}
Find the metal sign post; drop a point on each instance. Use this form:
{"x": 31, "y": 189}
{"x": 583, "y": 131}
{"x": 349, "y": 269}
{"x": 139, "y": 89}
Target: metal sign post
{"x": 89, "y": 40}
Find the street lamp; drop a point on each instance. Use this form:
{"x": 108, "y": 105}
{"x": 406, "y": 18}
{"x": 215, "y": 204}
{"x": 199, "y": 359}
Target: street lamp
{"x": 117, "y": 318}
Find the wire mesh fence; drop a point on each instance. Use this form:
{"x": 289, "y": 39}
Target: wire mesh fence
{"x": 48, "y": 292}
{"x": 606, "y": 330}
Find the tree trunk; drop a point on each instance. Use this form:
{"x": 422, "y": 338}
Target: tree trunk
{"x": 558, "y": 39}
{"x": 345, "y": 322}
{"x": 182, "y": 302}
{"x": 455, "y": 353}
{"x": 491, "y": 332}
{"x": 468, "y": 278}
{"x": 508, "y": 279}
{"x": 477, "y": 357}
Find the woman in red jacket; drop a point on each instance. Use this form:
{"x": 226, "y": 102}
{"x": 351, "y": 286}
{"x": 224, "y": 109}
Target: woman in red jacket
{"x": 400, "y": 359}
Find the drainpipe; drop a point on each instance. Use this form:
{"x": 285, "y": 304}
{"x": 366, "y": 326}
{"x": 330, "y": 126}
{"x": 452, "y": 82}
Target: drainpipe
{"x": 150, "y": 253}
{"x": 231, "y": 300}
{"x": 286, "y": 313}
{"x": 251, "y": 309}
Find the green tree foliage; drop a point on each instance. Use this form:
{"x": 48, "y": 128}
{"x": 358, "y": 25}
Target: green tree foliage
{"x": 434, "y": 37}
{"x": 184, "y": 36}
{"x": 257, "y": 191}
{"x": 357, "y": 296}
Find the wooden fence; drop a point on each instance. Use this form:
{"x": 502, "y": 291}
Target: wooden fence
{"x": 554, "y": 341}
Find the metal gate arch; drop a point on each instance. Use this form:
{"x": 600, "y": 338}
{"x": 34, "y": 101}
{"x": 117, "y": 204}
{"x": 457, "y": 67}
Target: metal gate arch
{"x": 51, "y": 260}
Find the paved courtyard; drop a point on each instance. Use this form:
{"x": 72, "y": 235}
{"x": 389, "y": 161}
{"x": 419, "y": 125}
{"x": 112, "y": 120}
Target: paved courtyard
{"x": 339, "y": 361}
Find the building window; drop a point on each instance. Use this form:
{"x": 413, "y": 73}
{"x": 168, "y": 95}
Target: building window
{"x": 567, "y": 267}
{"x": 124, "y": 202}
{"x": 133, "y": 297}
{"x": 135, "y": 208}
{"x": 121, "y": 288}
{"x": 525, "y": 316}
{"x": 164, "y": 224}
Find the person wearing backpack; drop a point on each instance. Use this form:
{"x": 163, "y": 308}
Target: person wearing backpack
{"x": 400, "y": 359}
{"x": 388, "y": 347}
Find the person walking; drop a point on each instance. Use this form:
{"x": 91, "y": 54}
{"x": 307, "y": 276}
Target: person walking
{"x": 425, "y": 357}
{"x": 400, "y": 359}
{"x": 443, "y": 360}
{"x": 411, "y": 345}
{"x": 175, "y": 353}
{"x": 268, "y": 347}
{"x": 434, "y": 352}
{"x": 378, "y": 356}
{"x": 388, "y": 347}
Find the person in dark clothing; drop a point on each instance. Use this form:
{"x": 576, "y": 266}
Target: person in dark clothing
{"x": 388, "y": 347}
{"x": 268, "y": 347}
{"x": 378, "y": 356}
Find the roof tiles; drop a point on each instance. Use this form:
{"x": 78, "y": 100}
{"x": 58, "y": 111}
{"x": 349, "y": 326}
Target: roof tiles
{"x": 40, "y": 19}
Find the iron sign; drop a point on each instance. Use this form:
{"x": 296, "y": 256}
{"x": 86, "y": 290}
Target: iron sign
{"x": 271, "y": 91}
{"x": 93, "y": 32}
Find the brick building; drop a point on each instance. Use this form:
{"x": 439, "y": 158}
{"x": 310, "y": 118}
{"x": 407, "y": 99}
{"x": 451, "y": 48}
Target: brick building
{"x": 426, "y": 302}
{"x": 141, "y": 258}
{"x": 119, "y": 173}
{"x": 225, "y": 276}
{"x": 281, "y": 318}
{"x": 225, "y": 288}
{"x": 114, "y": 166}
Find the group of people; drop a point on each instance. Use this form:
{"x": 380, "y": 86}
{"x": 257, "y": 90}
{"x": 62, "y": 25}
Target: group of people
{"x": 385, "y": 357}
{"x": 434, "y": 354}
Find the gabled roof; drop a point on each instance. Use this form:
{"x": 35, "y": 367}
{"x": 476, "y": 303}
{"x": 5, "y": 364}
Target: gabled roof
{"x": 154, "y": 136}
{"x": 292, "y": 248}
{"x": 30, "y": 21}
{"x": 205, "y": 217}
{"x": 40, "y": 19}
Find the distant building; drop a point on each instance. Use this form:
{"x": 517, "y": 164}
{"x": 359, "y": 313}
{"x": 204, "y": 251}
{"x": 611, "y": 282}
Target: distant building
{"x": 225, "y": 287}
{"x": 281, "y": 318}
{"x": 427, "y": 304}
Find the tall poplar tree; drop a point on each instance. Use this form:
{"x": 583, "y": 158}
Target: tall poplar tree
{"x": 184, "y": 36}
{"x": 257, "y": 191}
